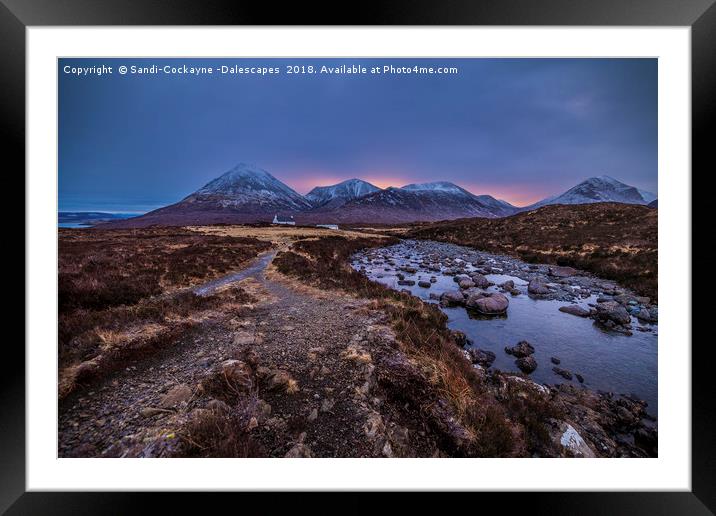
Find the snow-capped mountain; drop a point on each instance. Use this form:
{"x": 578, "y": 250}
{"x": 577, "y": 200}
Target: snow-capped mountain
{"x": 419, "y": 202}
{"x": 245, "y": 193}
{"x": 247, "y": 187}
{"x": 598, "y": 189}
{"x": 495, "y": 207}
{"x": 331, "y": 197}
{"x": 437, "y": 186}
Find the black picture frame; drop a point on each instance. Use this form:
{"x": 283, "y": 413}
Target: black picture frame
{"x": 700, "y": 15}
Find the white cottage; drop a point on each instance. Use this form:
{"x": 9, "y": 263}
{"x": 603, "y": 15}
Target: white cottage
{"x": 283, "y": 220}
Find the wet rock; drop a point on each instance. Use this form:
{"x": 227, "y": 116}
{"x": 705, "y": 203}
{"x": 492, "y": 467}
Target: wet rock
{"x": 562, "y": 272}
{"x": 555, "y": 360}
{"x": 579, "y": 377}
{"x": 612, "y": 311}
{"x": 406, "y": 282}
{"x": 492, "y": 303}
{"x": 526, "y": 364}
{"x": 480, "y": 281}
{"x": 537, "y": 288}
{"x": 452, "y": 298}
{"x": 466, "y": 283}
{"x": 562, "y": 372}
{"x": 508, "y": 285}
{"x": 521, "y": 349}
{"x": 482, "y": 357}
{"x": 645, "y": 315}
{"x": 574, "y": 310}
{"x": 424, "y": 284}
{"x": 460, "y": 277}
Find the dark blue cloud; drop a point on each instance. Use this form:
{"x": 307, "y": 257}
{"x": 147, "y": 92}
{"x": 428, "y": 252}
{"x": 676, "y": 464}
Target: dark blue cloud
{"x": 520, "y": 129}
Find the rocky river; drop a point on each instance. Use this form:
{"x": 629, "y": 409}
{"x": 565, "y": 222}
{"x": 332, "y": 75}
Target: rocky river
{"x": 555, "y": 324}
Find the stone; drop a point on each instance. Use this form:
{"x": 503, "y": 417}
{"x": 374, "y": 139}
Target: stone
{"x": 452, "y": 298}
{"x": 537, "y": 288}
{"x": 237, "y": 374}
{"x": 406, "y": 282}
{"x": 480, "y": 281}
{"x": 482, "y": 357}
{"x": 562, "y": 272}
{"x": 575, "y": 310}
{"x": 460, "y": 338}
{"x": 466, "y": 283}
{"x": 612, "y": 311}
{"x": 176, "y": 396}
{"x": 522, "y": 349}
{"x": 526, "y": 364}
{"x": 555, "y": 360}
{"x": 424, "y": 284}
{"x": 492, "y": 303}
{"x": 562, "y": 372}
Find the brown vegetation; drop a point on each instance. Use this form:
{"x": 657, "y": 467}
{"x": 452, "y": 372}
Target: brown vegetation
{"x": 123, "y": 293}
{"x": 612, "y": 240}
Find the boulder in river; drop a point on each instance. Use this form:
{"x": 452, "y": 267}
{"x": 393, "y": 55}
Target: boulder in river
{"x": 612, "y": 311}
{"x": 466, "y": 283}
{"x": 526, "y": 364}
{"x": 492, "y": 303}
{"x": 424, "y": 284}
{"x": 452, "y": 298}
{"x": 406, "y": 282}
{"x": 555, "y": 360}
{"x": 562, "y": 372}
{"x": 537, "y": 288}
{"x": 522, "y": 349}
{"x": 480, "y": 281}
{"x": 460, "y": 277}
{"x": 574, "y": 310}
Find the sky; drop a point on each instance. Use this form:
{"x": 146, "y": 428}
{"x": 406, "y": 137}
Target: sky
{"x": 517, "y": 129}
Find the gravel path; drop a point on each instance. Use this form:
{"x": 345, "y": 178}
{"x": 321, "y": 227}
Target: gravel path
{"x": 326, "y": 343}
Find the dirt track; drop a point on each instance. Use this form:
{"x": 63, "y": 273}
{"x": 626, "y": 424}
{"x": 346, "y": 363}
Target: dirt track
{"x": 329, "y": 345}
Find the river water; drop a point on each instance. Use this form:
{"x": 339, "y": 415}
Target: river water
{"x": 607, "y": 360}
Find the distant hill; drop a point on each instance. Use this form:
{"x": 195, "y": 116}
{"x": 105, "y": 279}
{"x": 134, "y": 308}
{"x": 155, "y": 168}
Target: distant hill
{"x": 334, "y": 196}
{"x": 598, "y": 189}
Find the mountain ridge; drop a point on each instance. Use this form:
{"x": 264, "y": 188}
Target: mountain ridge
{"x": 247, "y": 193}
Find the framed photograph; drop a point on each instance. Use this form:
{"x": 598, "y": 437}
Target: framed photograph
{"x": 432, "y": 250}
